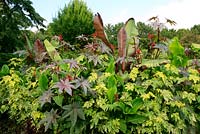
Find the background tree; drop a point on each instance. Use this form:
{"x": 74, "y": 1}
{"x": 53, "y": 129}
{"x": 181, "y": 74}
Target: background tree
{"x": 112, "y": 31}
{"x": 196, "y": 29}
{"x": 168, "y": 33}
{"x": 72, "y": 21}
{"x": 143, "y": 30}
{"x": 15, "y": 16}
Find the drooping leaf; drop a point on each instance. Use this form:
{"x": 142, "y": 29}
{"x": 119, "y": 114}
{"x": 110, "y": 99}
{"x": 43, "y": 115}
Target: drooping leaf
{"x": 43, "y": 82}
{"x": 58, "y": 100}
{"x": 136, "y": 119}
{"x": 52, "y": 51}
{"x": 99, "y": 31}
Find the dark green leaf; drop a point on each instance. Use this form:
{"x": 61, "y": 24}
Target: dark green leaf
{"x": 111, "y": 93}
{"x": 111, "y": 81}
{"x": 58, "y": 100}
{"x": 43, "y": 82}
{"x": 136, "y": 119}
{"x": 111, "y": 66}
{"x": 4, "y": 70}
{"x": 177, "y": 54}
{"x": 136, "y": 104}
{"x": 55, "y": 78}
{"x": 123, "y": 126}
{"x": 73, "y": 117}
{"x": 81, "y": 113}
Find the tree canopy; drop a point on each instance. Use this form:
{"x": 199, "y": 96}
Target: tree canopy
{"x": 16, "y": 16}
{"x": 75, "y": 19}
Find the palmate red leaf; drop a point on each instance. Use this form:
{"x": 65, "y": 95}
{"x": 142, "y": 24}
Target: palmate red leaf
{"x": 99, "y": 31}
{"x": 122, "y": 37}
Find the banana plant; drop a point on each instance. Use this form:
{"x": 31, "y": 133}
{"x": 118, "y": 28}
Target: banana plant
{"x": 100, "y": 32}
{"x": 128, "y": 41}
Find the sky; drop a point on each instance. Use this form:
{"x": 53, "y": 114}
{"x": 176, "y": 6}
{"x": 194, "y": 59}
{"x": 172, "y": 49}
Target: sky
{"x": 184, "y": 12}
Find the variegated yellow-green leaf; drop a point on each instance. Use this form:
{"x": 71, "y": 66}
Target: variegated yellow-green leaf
{"x": 52, "y": 51}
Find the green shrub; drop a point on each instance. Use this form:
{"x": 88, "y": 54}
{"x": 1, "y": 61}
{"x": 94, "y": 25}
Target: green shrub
{"x": 74, "y": 20}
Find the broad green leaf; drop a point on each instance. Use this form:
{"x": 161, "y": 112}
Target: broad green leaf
{"x": 196, "y": 46}
{"x": 175, "y": 47}
{"x": 136, "y": 104}
{"x": 111, "y": 66}
{"x": 177, "y": 54}
{"x": 58, "y": 100}
{"x": 111, "y": 81}
{"x": 55, "y": 43}
{"x": 55, "y": 78}
{"x": 131, "y": 32}
{"x": 43, "y": 82}
{"x": 111, "y": 93}
{"x": 122, "y": 106}
{"x": 52, "y": 51}
{"x": 123, "y": 126}
{"x": 4, "y": 70}
{"x": 131, "y": 29}
{"x": 136, "y": 119}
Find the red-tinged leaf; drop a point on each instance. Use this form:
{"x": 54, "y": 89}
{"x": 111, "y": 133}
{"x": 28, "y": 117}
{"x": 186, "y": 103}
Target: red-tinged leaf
{"x": 39, "y": 51}
{"x": 121, "y": 37}
{"x": 38, "y": 47}
{"x": 64, "y": 85}
{"x": 99, "y": 31}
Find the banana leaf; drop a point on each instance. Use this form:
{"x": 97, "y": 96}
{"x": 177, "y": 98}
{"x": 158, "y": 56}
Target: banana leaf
{"x": 99, "y": 31}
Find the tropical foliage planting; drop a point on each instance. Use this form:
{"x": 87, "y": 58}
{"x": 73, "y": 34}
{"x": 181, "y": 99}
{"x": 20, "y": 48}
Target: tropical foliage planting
{"x": 122, "y": 82}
